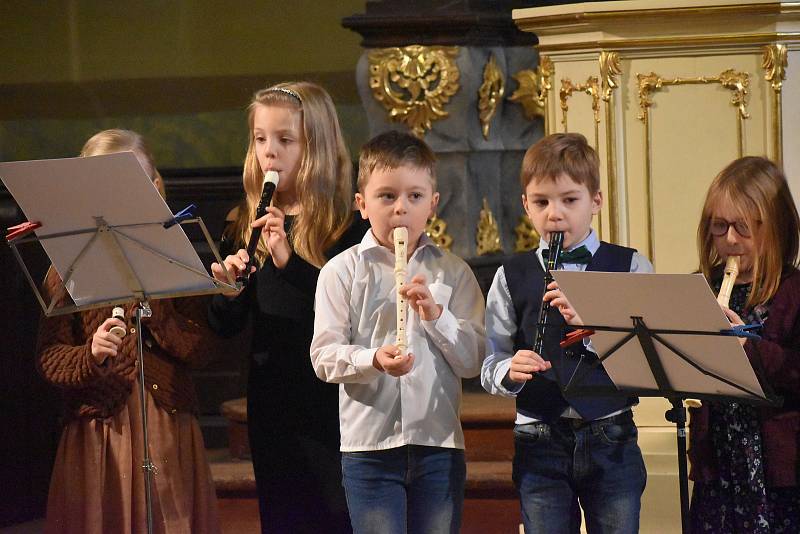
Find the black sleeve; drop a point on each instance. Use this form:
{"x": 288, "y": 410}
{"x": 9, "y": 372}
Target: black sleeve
{"x": 226, "y": 316}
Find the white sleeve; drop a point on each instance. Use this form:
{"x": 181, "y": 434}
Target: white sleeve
{"x": 501, "y": 328}
{"x": 333, "y": 358}
{"x": 459, "y": 331}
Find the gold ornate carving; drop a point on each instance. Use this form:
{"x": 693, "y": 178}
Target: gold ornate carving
{"x": 609, "y": 70}
{"x": 774, "y": 62}
{"x": 437, "y": 231}
{"x": 489, "y": 94}
{"x": 414, "y": 83}
{"x": 488, "y": 237}
{"x": 527, "y": 236}
{"x": 534, "y": 86}
{"x": 591, "y": 88}
{"x": 737, "y": 82}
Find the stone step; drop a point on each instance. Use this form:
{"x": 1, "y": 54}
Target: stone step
{"x": 487, "y": 421}
{"x": 235, "y": 477}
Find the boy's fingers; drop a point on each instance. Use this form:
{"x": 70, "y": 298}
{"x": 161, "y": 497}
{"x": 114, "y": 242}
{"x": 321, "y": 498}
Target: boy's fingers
{"x": 418, "y": 279}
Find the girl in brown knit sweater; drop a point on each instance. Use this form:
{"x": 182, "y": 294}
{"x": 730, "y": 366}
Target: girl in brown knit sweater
{"x": 97, "y": 484}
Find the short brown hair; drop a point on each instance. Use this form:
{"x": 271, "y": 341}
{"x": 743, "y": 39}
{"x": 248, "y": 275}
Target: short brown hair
{"x": 394, "y": 149}
{"x": 757, "y": 189}
{"x": 562, "y": 153}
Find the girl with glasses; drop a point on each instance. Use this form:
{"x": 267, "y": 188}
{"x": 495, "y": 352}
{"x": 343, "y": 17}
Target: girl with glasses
{"x": 746, "y": 459}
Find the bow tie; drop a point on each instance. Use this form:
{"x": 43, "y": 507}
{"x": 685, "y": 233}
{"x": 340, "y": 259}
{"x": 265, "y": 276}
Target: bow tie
{"x": 578, "y": 255}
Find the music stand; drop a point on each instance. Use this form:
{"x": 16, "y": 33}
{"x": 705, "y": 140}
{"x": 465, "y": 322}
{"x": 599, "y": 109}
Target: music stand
{"x": 112, "y": 239}
{"x": 660, "y": 335}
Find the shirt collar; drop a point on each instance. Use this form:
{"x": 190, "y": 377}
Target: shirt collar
{"x": 368, "y": 242}
{"x": 591, "y": 242}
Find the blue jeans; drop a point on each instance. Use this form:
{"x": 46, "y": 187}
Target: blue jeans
{"x": 405, "y": 489}
{"x": 595, "y": 465}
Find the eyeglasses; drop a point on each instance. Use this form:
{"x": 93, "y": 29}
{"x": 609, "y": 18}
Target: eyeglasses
{"x": 719, "y": 227}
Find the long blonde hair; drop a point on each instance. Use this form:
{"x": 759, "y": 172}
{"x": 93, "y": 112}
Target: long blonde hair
{"x": 323, "y": 186}
{"x": 117, "y": 140}
{"x": 756, "y": 188}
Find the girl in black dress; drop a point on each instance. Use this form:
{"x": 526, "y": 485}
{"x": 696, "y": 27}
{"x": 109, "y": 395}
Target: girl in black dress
{"x": 292, "y": 416}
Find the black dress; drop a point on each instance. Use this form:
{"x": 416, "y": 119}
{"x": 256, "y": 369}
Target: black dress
{"x": 293, "y": 417}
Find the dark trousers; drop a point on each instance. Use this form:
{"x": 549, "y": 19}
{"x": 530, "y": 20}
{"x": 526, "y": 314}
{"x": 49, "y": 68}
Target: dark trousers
{"x": 572, "y": 464}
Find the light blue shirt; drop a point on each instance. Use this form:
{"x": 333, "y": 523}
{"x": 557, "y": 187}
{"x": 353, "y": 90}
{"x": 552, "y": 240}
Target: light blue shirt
{"x": 501, "y": 325}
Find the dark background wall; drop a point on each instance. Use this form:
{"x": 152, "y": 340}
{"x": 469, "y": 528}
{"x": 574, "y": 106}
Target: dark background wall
{"x": 181, "y": 73}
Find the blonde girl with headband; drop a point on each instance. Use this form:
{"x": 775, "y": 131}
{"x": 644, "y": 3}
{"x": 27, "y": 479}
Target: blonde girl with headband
{"x": 97, "y": 485}
{"x": 292, "y": 416}
{"x": 746, "y": 459}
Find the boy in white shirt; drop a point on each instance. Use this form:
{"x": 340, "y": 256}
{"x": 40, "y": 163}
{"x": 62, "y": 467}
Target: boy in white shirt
{"x": 403, "y": 461}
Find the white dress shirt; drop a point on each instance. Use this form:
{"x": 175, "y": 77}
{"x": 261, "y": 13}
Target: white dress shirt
{"x": 356, "y": 314}
{"x": 501, "y": 326}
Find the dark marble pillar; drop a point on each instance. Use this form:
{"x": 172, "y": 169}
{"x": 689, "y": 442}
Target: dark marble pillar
{"x": 470, "y": 166}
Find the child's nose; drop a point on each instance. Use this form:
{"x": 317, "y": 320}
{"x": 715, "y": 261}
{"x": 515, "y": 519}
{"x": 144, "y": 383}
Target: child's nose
{"x": 400, "y": 206}
{"x": 269, "y": 148}
{"x": 554, "y": 212}
{"x": 732, "y": 236}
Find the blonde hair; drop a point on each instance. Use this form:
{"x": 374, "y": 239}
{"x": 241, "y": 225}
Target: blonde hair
{"x": 323, "y": 186}
{"x": 756, "y": 188}
{"x": 562, "y": 153}
{"x": 117, "y": 140}
{"x": 394, "y": 149}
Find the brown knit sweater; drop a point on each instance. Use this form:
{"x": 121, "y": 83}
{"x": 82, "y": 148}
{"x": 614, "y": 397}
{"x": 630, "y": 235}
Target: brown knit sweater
{"x": 176, "y": 338}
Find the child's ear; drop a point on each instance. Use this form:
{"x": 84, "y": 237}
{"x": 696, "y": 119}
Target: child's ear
{"x": 361, "y": 205}
{"x": 434, "y": 204}
{"x": 597, "y": 202}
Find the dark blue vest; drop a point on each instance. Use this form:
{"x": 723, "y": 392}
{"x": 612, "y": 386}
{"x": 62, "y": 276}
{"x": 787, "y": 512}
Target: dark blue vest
{"x": 541, "y": 397}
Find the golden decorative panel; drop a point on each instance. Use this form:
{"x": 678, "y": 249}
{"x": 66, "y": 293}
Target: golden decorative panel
{"x": 610, "y": 70}
{"x": 774, "y": 61}
{"x": 488, "y": 237}
{"x": 437, "y": 231}
{"x": 737, "y": 82}
{"x": 414, "y": 83}
{"x": 527, "y": 236}
{"x": 591, "y": 88}
{"x": 534, "y": 86}
{"x": 489, "y": 94}
{"x": 648, "y": 84}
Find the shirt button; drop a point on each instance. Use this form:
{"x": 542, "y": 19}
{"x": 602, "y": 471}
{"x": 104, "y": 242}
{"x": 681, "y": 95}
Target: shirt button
{"x": 155, "y": 386}
{"x": 133, "y": 330}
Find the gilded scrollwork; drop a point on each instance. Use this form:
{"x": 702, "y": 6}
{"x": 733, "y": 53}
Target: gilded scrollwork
{"x": 591, "y": 88}
{"x": 774, "y": 61}
{"x": 489, "y": 94}
{"x": 414, "y": 83}
{"x": 609, "y": 70}
{"x": 527, "y": 236}
{"x": 534, "y": 86}
{"x": 737, "y": 82}
{"x": 488, "y": 236}
{"x": 437, "y": 231}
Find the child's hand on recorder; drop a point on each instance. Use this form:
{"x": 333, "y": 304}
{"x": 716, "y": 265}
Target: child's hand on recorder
{"x": 389, "y": 360}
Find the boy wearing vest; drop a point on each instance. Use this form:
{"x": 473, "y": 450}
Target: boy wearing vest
{"x": 574, "y": 452}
